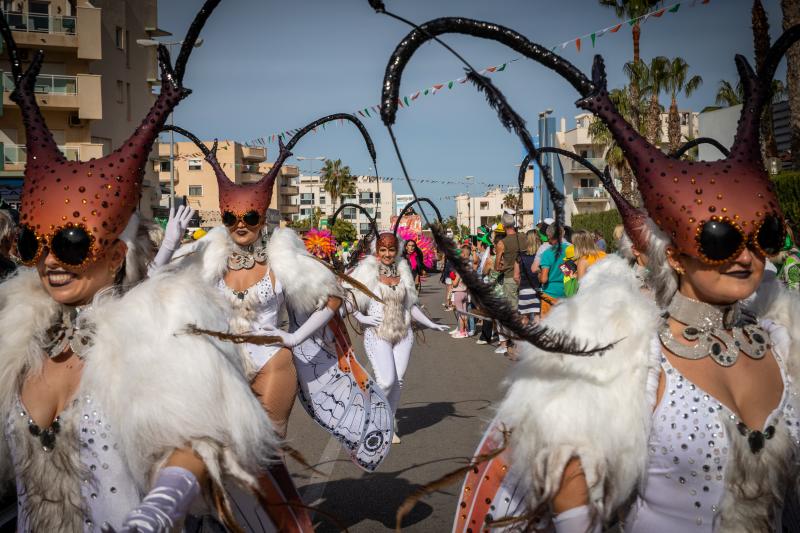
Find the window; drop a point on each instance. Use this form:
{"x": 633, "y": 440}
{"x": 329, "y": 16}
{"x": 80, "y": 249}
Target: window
{"x": 195, "y": 190}
{"x": 120, "y": 92}
{"x": 307, "y": 198}
{"x": 195, "y": 164}
{"x": 128, "y": 101}
{"x": 684, "y": 119}
{"x": 305, "y": 212}
{"x": 349, "y": 213}
{"x": 164, "y": 166}
{"x": 585, "y": 182}
{"x": 484, "y": 206}
{"x": 127, "y": 50}
{"x": 364, "y": 228}
{"x": 365, "y": 198}
{"x": 119, "y": 38}
{"x": 323, "y": 199}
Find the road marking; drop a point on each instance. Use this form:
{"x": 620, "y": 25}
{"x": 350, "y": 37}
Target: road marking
{"x": 319, "y": 480}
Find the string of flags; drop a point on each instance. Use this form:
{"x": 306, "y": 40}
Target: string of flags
{"x": 578, "y": 42}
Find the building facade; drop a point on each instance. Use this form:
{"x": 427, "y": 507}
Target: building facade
{"x": 376, "y": 196}
{"x": 196, "y": 182}
{"x": 94, "y": 88}
{"x": 484, "y": 210}
{"x": 402, "y": 200}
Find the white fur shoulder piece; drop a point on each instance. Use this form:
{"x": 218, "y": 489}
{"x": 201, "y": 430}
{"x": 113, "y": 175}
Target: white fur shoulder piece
{"x": 307, "y": 283}
{"x": 166, "y": 389}
{"x": 366, "y": 272}
{"x": 775, "y": 302}
{"x": 26, "y": 312}
{"x": 211, "y": 253}
{"x": 596, "y": 408}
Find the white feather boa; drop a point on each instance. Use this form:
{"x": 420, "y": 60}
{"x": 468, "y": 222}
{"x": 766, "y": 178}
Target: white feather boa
{"x": 162, "y": 388}
{"x": 367, "y": 273}
{"x": 599, "y": 408}
{"x": 306, "y": 282}
{"x": 595, "y": 408}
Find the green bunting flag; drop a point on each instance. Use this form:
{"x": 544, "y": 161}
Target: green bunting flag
{"x": 594, "y": 37}
{"x": 675, "y": 9}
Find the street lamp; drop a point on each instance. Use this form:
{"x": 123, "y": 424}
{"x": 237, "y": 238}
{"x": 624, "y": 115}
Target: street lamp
{"x": 169, "y": 44}
{"x": 544, "y": 140}
{"x": 470, "y": 202}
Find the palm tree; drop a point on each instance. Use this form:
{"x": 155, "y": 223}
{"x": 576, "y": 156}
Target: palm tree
{"x": 651, "y": 80}
{"x": 791, "y": 16}
{"x": 761, "y": 43}
{"x": 614, "y": 157}
{"x": 628, "y": 10}
{"x": 729, "y": 95}
{"x": 337, "y": 180}
{"x": 678, "y": 82}
{"x": 510, "y": 201}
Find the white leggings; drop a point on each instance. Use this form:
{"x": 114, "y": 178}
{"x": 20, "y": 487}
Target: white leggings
{"x": 389, "y": 363}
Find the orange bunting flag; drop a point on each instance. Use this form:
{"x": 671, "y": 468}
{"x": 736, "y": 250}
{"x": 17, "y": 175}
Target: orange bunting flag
{"x": 578, "y": 44}
{"x": 616, "y": 28}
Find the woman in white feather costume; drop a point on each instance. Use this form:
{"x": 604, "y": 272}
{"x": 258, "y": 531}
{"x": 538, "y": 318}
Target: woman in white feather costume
{"x": 116, "y": 417}
{"x": 388, "y": 337}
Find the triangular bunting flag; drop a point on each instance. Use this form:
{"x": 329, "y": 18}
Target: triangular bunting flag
{"x": 462, "y": 80}
{"x": 366, "y": 110}
{"x": 405, "y": 99}
{"x": 594, "y": 38}
{"x": 360, "y": 113}
{"x": 415, "y": 95}
{"x": 425, "y": 92}
{"x": 450, "y": 84}
{"x": 616, "y": 28}
{"x": 491, "y": 69}
{"x": 659, "y": 13}
{"x": 578, "y": 44}
{"x": 675, "y": 8}
{"x": 502, "y": 67}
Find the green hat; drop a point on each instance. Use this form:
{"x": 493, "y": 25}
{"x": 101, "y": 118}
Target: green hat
{"x": 484, "y": 238}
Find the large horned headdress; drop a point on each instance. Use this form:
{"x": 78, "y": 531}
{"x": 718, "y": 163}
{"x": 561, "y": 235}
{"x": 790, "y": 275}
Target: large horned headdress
{"x": 78, "y": 208}
{"x": 237, "y": 200}
{"x": 711, "y": 210}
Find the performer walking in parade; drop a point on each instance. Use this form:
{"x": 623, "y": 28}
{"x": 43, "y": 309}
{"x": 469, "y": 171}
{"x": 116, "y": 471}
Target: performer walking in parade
{"x": 117, "y": 419}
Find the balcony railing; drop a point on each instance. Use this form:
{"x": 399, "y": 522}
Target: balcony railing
{"x": 47, "y": 84}
{"x": 589, "y": 193}
{"x": 250, "y": 167}
{"x": 30, "y": 22}
{"x": 598, "y": 162}
{"x": 15, "y": 154}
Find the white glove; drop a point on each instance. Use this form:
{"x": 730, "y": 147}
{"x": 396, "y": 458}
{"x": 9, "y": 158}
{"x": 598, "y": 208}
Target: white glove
{"x": 173, "y": 235}
{"x": 367, "y": 320}
{"x": 316, "y": 321}
{"x": 165, "y": 505}
{"x": 575, "y": 520}
{"x": 422, "y": 318}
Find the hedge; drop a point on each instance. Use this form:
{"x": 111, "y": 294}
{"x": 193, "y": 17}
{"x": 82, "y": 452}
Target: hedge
{"x": 787, "y": 187}
{"x": 603, "y": 221}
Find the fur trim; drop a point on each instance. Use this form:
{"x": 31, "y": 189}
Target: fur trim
{"x": 307, "y": 284}
{"x": 595, "y": 408}
{"x": 396, "y": 318}
{"x": 164, "y": 389}
{"x": 367, "y": 273}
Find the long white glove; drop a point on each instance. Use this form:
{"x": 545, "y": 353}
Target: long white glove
{"x": 367, "y": 320}
{"x": 576, "y": 520}
{"x": 422, "y": 318}
{"x": 166, "y": 503}
{"x": 173, "y": 235}
{"x": 317, "y": 320}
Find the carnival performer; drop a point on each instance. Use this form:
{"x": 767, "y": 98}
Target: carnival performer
{"x": 117, "y": 418}
{"x": 388, "y": 336}
{"x": 688, "y": 421}
{"x": 262, "y": 276}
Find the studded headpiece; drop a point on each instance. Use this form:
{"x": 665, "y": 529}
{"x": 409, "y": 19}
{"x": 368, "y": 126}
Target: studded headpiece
{"x": 711, "y": 210}
{"x": 387, "y": 239}
{"x": 76, "y": 208}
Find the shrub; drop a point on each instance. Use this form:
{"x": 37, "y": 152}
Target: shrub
{"x": 603, "y": 221}
{"x": 787, "y": 187}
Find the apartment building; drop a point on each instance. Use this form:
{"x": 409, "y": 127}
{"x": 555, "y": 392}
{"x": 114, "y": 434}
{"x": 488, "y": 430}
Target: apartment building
{"x": 400, "y": 201}
{"x": 196, "y": 182}
{"x": 376, "y": 196}
{"x": 585, "y": 193}
{"x": 93, "y": 88}
{"x": 484, "y": 210}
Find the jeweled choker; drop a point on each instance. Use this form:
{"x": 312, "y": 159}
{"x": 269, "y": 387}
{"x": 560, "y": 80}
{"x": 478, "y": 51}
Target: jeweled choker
{"x": 246, "y": 257}
{"x": 388, "y": 271}
{"x": 70, "y": 332}
{"x": 720, "y": 332}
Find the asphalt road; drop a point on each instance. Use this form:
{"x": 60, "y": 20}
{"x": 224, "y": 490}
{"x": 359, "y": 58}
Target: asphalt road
{"x": 451, "y": 389}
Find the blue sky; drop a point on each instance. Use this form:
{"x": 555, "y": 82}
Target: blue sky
{"x": 269, "y": 66}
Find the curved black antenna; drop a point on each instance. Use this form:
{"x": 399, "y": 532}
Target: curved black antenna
{"x": 499, "y": 309}
{"x": 776, "y": 52}
{"x": 366, "y": 240}
{"x": 409, "y": 205}
{"x": 677, "y": 154}
{"x": 208, "y": 153}
{"x": 11, "y": 46}
{"x": 476, "y": 28}
{"x": 191, "y": 37}
{"x": 330, "y": 118}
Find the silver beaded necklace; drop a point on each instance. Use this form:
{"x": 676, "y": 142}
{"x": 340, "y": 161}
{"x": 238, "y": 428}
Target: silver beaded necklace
{"x": 246, "y": 257}
{"x": 70, "y": 332}
{"x": 721, "y": 332}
